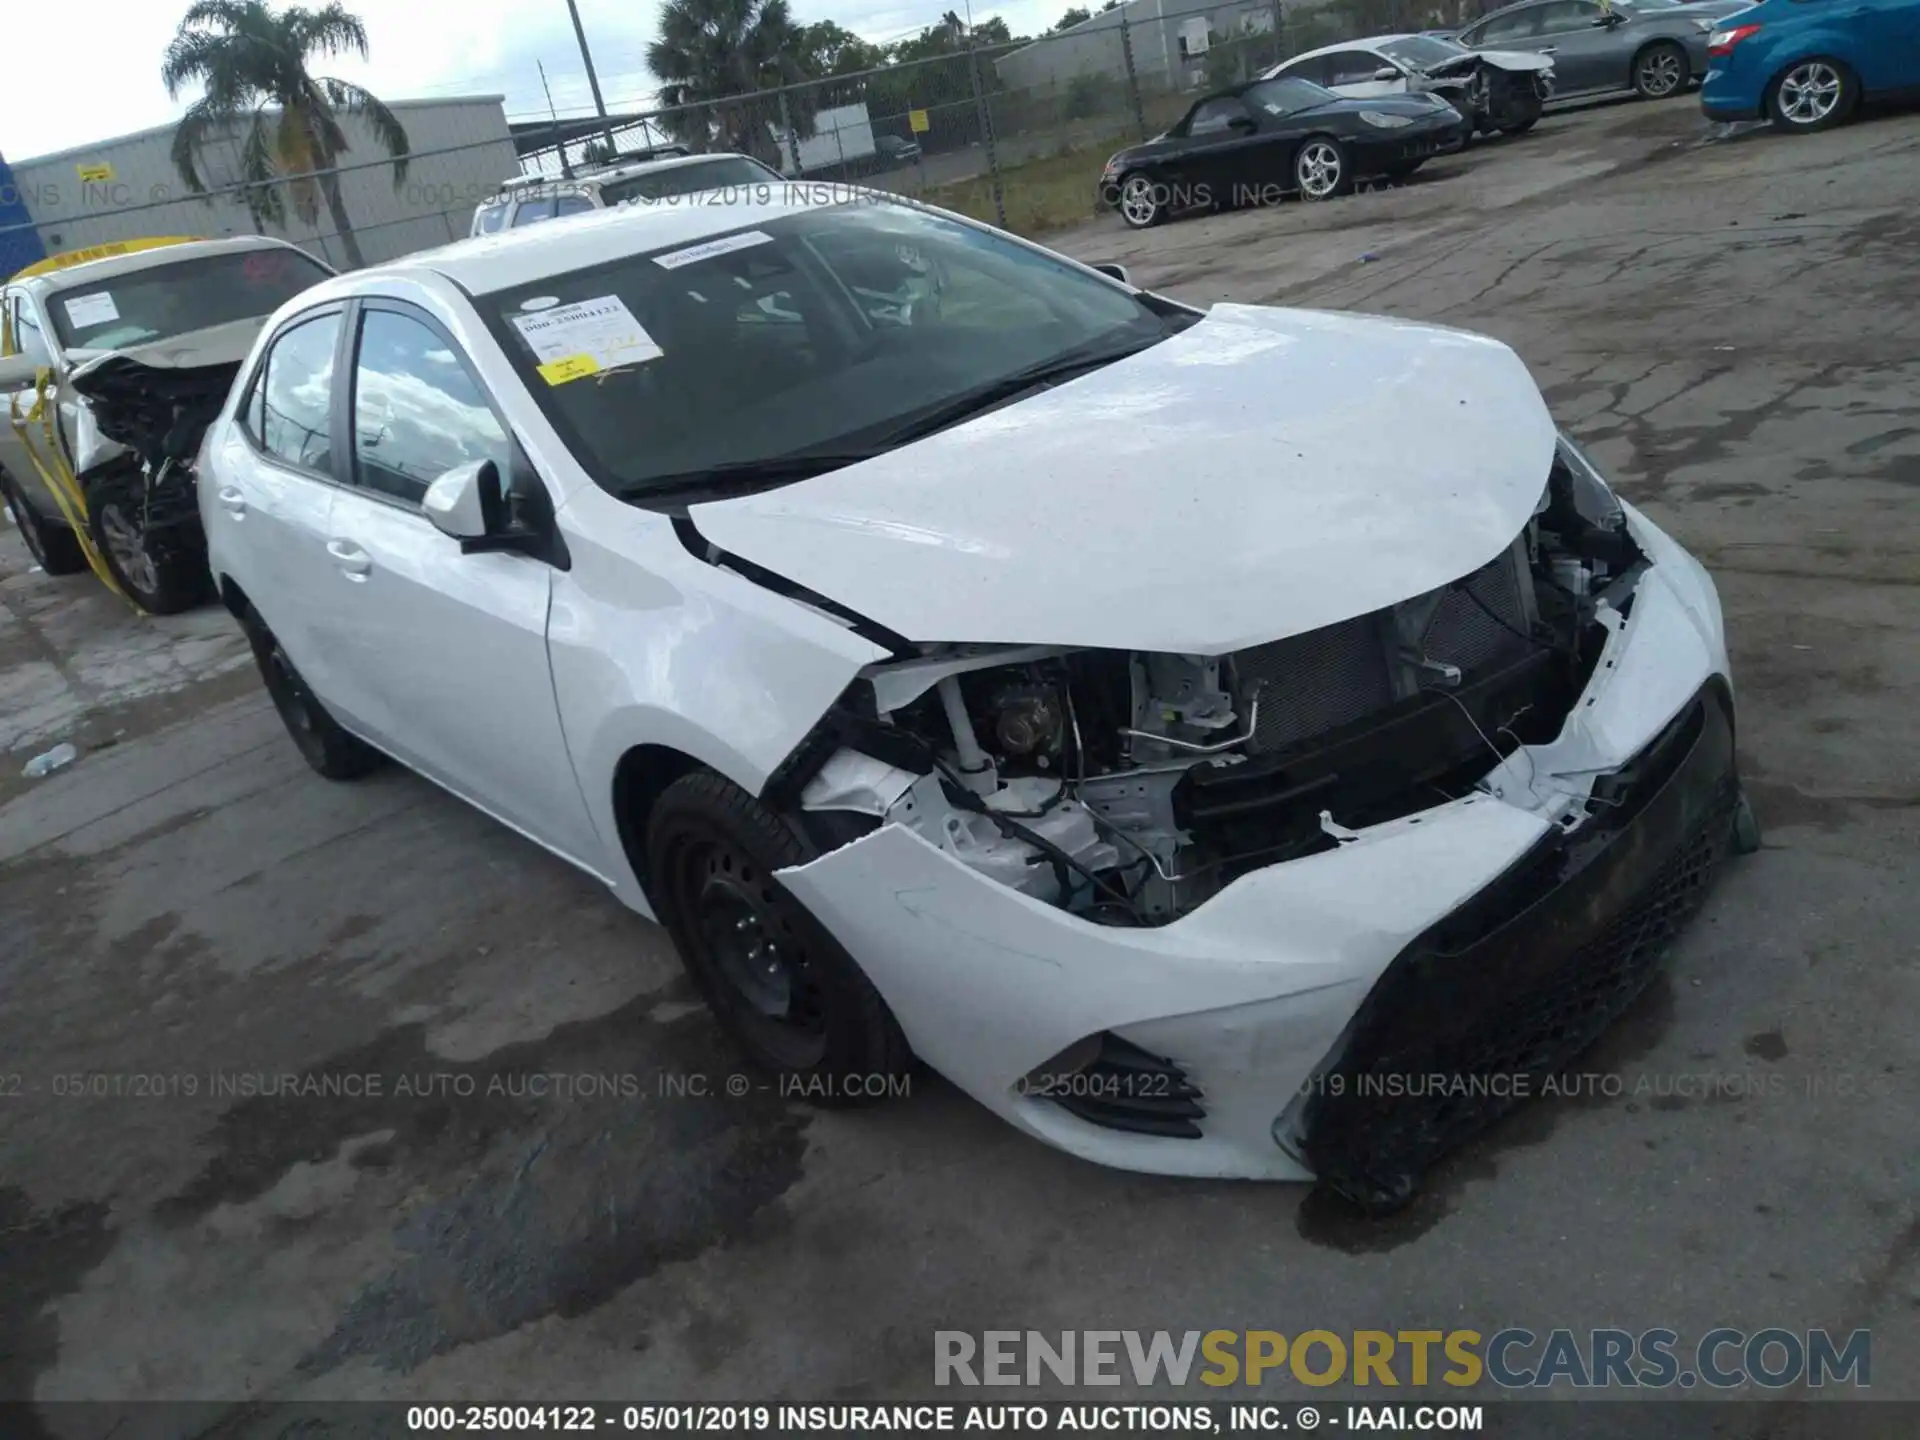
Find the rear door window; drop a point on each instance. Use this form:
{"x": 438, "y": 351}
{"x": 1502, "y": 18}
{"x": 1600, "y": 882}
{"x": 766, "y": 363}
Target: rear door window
{"x": 290, "y": 410}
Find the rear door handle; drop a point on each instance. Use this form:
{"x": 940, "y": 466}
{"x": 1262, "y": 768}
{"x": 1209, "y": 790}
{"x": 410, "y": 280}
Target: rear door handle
{"x": 1550, "y": 50}
{"x": 232, "y": 501}
{"x": 350, "y": 558}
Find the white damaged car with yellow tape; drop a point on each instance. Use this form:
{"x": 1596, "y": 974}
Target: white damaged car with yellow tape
{"x": 113, "y": 359}
{"x": 1135, "y": 713}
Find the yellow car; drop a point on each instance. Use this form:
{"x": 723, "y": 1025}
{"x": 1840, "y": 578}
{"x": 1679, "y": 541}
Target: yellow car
{"x": 113, "y": 360}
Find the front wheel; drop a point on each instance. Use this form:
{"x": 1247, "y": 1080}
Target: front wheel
{"x": 160, "y": 573}
{"x": 1660, "y": 70}
{"x": 781, "y": 986}
{"x": 1320, "y": 169}
{"x": 1143, "y": 204}
{"x": 1813, "y": 95}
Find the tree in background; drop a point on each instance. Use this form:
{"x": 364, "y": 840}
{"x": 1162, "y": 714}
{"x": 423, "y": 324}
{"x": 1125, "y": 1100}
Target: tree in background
{"x": 251, "y": 65}
{"x": 711, "y": 52}
{"x": 1074, "y": 16}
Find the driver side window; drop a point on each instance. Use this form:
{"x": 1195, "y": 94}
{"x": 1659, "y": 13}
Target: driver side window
{"x": 1564, "y": 15}
{"x": 416, "y": 412}
{"x": 23, "y": 331}
{"x": 1515, "y": 25}
{"x": 1213, "y": 116}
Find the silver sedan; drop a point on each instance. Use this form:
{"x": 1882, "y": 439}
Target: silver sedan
{"x": 1654, "y": 48}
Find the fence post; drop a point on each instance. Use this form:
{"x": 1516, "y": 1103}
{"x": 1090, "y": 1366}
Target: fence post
{"x": 1133, "y": 76}
{"x": 1281, "y": 48}
{"x": 789, "y": 142}
{"x": 986, "y": 131}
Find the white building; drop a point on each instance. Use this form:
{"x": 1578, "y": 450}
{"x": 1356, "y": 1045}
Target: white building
{"x": 1169, "y": 38}
{"x": 127, "y": 188}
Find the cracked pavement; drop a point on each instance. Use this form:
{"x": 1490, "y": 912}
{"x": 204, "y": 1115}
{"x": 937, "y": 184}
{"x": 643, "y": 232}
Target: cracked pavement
{"x": 1727, "y": 327}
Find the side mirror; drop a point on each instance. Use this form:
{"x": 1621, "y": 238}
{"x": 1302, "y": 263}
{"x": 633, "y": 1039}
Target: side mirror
{"x": 1609, "y": 20}
{"x": 1386, "y": 72}
{"x": 17, "y": 372}
{"x": 467, "y": 501}
{"x": 1113, "y": 269}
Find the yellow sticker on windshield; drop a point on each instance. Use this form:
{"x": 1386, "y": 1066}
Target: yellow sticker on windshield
{"x": 569, "y": 367}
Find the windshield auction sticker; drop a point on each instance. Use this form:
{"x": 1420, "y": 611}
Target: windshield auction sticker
{"x": 585, "y": 338}
{"x": 95, "y": 309}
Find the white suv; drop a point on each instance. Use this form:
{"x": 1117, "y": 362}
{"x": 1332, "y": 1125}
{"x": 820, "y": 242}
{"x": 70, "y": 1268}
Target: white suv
{"x": 529, "y": 200}
{"x": 1128, "y": 711}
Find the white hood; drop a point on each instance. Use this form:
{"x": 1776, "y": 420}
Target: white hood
{"x": 216, "y": 345}
{"x": 1263, "y": 473}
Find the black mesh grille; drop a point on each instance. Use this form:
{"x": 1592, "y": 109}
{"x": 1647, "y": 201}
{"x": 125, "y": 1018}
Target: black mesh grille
{"x": 1524, "y": 977}
{"x": 1314, "y": 682}
{"x": 1479, "y": 621}
{"x": 1127, "y": 1088}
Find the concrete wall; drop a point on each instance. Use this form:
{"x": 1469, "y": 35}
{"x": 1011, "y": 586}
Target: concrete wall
{"x": 461, "y": 151}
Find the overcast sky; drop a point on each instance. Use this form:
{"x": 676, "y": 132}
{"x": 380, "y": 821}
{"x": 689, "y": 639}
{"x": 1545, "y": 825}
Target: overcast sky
{"x": 421, "y": 48}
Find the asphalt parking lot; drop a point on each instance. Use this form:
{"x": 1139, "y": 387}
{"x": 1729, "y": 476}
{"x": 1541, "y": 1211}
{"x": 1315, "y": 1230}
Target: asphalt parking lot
{"x": 1728, "y": 325}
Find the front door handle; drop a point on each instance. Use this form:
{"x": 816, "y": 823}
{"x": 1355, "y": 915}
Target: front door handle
{"x": 1549, "y": 49}
{"x": 354, "y": 562}
{"x": 232, "y": 501}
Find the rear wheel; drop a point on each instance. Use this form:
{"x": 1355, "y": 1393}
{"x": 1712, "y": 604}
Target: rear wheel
{"x": 330, "y": 750}
{"x": 1320, "y": 168}
{"x": 1660, "y": 70}
{"x": 1143, "y": 204}
{"x": 55, "y": 548}
{"x": 781, "y": 986}
{"x": 1814, "y": 94}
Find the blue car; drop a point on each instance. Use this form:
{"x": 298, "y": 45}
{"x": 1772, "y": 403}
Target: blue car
{"x": 1806, "y": 64}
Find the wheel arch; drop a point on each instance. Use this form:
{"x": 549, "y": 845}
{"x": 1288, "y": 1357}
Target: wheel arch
{"x": 640, "y": 777}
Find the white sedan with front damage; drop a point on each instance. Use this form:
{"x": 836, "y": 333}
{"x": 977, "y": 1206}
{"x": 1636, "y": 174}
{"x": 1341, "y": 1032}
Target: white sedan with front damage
{"x": 1248, "y": 742}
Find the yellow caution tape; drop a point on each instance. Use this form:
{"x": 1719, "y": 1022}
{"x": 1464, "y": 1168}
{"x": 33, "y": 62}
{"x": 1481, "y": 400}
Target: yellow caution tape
{"x": 101, "y": 252}
{"x": 58, "y": 476}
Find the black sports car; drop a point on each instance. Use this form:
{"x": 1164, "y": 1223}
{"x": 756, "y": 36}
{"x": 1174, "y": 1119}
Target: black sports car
{"x": 1268, "y": 138}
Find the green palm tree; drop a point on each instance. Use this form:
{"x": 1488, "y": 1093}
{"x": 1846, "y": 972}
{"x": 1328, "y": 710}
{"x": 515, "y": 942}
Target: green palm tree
{"x": 712, "y": 51}
{"x": 252, "y": 66}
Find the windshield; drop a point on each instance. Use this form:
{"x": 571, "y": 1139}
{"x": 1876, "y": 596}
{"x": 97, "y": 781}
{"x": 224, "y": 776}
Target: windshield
{"x": 1421, "y": 51}
{"x": 718, "y": 174}
{"x": 163, "y": 301}
{"x": 822, "y": 332}
{"x": 1286, "y": 95}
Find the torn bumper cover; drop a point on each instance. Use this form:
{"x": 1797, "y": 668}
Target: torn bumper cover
{"x": 1485, "y": 935}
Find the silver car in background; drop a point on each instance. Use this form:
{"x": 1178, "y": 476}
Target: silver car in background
{"x": 1654, "y": 49}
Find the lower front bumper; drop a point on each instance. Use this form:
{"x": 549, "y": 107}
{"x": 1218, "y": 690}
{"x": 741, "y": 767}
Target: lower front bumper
{"x": 1477, "y": 1012}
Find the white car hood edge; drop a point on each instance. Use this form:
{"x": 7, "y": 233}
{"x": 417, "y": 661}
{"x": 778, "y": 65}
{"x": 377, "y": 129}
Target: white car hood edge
{"x": 1262, "y": 474}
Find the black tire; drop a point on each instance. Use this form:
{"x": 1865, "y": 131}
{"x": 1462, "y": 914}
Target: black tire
{"x": 331, "y": 751}
{"x": 1746, "y": 827}
{"x": 1799, "y": 101}
{"x": 55, "y": 548}
{"x": 1322, "y": 168}
{"x": 1522, "y": 122}
{"x": 162, "y": 574}
{"x": 1660, "y": 69}
{"x": 784, "y": 989}
{"x": 1141, "y": 201}
{"x": 1397, "y": 173}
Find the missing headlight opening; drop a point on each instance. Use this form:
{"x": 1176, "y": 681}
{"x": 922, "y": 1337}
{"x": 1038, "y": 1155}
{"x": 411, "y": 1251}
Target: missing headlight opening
{"x": 1128, "y": 788}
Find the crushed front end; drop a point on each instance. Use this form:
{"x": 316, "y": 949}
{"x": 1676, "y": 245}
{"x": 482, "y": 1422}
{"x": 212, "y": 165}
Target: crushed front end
{"x": 1167, "y": 911}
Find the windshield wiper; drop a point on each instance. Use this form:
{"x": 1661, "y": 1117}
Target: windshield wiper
{"x": 1010, "y": 387}
{"x": 740, "y": 477}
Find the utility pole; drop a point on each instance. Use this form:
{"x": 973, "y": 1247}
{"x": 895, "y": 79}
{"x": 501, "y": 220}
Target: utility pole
{"x": 586, "y": 58}
{"x": 566, "y": 170}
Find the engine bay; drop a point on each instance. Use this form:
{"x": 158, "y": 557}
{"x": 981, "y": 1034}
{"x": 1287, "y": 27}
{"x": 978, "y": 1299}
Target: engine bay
{"x": 1128, "y": 788}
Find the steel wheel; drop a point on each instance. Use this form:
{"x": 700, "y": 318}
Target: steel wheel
{"x": 1810, "y": 95}
{"x": 128, "y": 549}
{"x": 748, "y": 936}
{"x": 1320, "y": 169}
{"x": 1661, "y": 71}
{"x": 1140, "y": 203}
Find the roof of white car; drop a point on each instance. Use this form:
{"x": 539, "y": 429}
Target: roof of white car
{"x": 606, "y": 174}
{"x": 510, "y": 258}
{"x": 1365, "y": 42}
{"x": 92, "y": 272}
